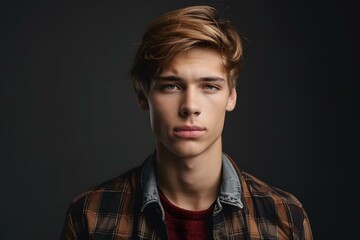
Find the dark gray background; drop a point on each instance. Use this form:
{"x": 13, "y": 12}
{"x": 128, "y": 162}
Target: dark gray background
{"x": 69, "y": 119}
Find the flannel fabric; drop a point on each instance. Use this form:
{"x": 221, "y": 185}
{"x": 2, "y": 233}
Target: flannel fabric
{"x": 129, "y": 207}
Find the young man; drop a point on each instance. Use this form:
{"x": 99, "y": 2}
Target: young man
{"x": 185, "y": 74}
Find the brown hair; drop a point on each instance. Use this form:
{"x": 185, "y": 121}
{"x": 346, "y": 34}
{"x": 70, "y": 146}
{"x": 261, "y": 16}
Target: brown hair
{"x": 178, "y": 31}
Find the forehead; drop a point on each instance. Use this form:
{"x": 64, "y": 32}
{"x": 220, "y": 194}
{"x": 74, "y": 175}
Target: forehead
{"x": 196, "y": 60}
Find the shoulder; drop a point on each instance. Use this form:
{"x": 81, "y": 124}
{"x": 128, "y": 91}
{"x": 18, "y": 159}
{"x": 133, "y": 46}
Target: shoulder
{"x": 254, "y": 188}
{"x": 113, "y": 191}
{"x": 274, "y": 206}
{"x": 102, "y": 204}
{"x": 259, "y": 188}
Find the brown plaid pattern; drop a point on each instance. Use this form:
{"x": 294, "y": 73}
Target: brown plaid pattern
{"x": 112, "y": 211}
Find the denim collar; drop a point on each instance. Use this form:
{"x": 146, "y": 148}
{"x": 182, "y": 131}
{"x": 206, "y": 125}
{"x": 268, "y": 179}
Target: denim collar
{"x": 230, "y": 190}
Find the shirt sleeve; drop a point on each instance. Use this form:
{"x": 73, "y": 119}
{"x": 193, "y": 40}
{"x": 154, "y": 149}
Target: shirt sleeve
{"x": 68, "y": 231}
{"x": 306, "y": 234}
{"x": 75, "y": 222}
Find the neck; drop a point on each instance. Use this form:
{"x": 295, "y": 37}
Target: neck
{"x": 192, "y": 182}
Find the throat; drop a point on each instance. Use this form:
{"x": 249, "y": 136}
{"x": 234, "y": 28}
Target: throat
{"x": 192, "y": 190}
{"x": 191, "y": 184}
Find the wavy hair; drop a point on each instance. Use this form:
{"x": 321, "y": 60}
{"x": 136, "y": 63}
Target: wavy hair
{"x": 181, "y": 30}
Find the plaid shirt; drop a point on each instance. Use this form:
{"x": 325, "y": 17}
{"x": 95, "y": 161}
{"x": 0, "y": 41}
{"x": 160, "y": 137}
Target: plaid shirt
{"x": 129, "y": 207}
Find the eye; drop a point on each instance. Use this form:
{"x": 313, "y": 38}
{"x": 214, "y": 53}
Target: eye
{"x": 211, "y": 88}
{"x": 169, "y": 87}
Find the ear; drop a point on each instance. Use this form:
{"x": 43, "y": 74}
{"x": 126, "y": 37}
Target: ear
{"x": 231, "y": 100}
{"x": 143, "y": 101}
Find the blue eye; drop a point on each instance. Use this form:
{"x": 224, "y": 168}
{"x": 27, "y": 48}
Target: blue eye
{"x": 169, "y": 87}
{"x": 210, "y": 88}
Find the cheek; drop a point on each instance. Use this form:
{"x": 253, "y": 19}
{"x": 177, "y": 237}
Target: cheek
{"x": 160, "y": 106}
{"x": 217, "y": 112}
{"x": 217, "y": 104}
{"x": 161, "y": 111}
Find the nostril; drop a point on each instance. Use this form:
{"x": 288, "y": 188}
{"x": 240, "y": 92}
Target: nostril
{"x": 185, "y": 111}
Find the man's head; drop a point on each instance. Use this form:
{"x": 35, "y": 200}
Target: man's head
{"x": 185, "y": 73}
{"x": 178, "y": 31}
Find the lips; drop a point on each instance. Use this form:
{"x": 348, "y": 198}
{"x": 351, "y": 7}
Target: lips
{"x": 189, "y": 131}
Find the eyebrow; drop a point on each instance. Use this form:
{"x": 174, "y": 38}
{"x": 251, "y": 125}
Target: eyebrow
{"x": 177, "y": 78}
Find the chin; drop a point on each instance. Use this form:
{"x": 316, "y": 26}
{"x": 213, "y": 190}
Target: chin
{"x": 185, "y": 154}
{"x": 187, "y": 150}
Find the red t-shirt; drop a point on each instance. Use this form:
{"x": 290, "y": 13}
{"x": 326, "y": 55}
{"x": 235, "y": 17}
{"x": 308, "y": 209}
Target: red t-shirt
{"x": 184, "y": 224}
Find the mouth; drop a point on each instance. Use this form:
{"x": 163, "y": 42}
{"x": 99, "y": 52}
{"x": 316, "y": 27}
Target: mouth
{"x": 189, "y": 131}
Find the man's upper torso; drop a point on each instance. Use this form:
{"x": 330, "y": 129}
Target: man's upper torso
{"x": 129, "y": 207}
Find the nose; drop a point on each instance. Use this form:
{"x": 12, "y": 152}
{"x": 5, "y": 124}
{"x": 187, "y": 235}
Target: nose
{"x": 190, "y": 104}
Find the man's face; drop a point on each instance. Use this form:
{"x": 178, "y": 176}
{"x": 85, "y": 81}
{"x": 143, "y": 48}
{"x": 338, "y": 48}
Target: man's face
{"x": 188, "y": 102}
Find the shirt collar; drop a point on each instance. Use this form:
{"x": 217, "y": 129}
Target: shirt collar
{"x": 230, "y": 190}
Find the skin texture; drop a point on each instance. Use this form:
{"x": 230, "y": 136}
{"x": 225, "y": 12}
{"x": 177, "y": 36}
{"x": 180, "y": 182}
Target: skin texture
{"x": 187, "y": 105}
